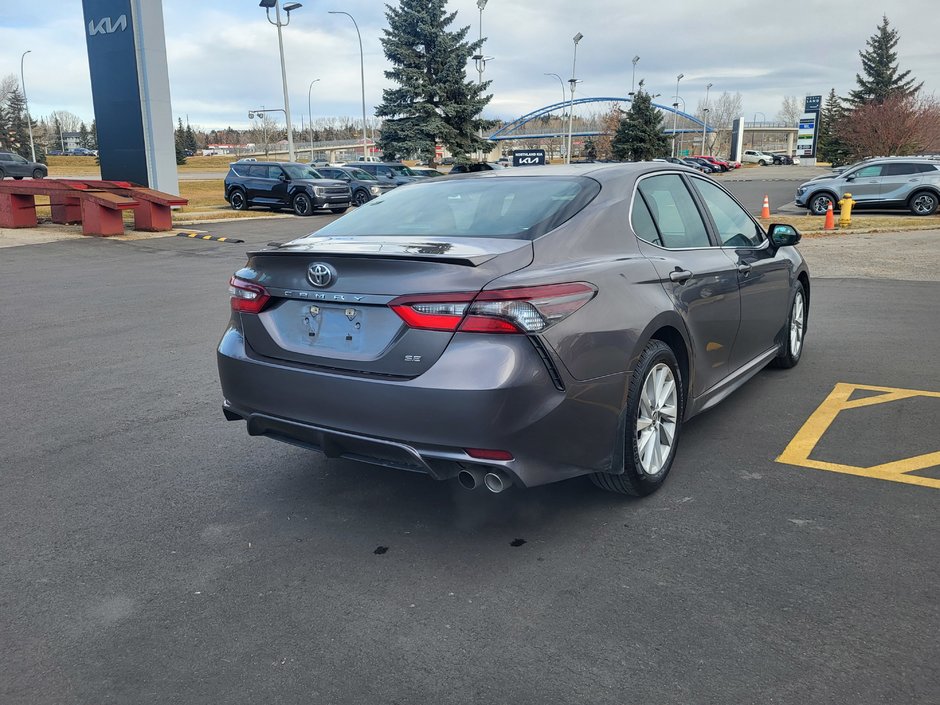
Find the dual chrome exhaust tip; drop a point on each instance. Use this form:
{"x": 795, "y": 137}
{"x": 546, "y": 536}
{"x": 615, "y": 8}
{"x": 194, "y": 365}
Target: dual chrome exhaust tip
{"x": 494, "y": 480}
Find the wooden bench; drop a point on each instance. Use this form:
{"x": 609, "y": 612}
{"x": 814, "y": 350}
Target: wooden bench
{"x": 96, "y": 204}
{"x": 100, "y": 210}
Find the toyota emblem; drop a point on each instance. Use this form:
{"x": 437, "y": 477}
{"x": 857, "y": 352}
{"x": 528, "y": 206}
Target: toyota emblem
{"x": 320, "y": 274}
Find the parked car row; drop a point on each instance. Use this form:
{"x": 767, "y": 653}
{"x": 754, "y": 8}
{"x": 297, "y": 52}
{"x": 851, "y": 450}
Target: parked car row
{"x": 79, "y": 152}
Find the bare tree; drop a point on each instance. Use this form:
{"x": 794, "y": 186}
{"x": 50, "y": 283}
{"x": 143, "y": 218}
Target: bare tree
{"x": 721, "y": 113}
{"x": 900, "y": 125}
{"x": 69, "y": 122}
{"x": 8, "y": 84}
{"x": 790, "y": 111}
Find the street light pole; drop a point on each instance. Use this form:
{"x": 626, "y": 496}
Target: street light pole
{"x": 310, "y": 117}
{"x": 676, "y": 105}
{"x": 362, "y": 77}
{"x": 29, "y": 120}
{"x": 481, "y": 62}
{"x": 763, "y": 120}
{"x": 675, "y": 115}
{"x": 705, "y": 121}
{"x": 572, "y": 83}
{"x": 290, "y": 7}
{"x": 633, "y": 80}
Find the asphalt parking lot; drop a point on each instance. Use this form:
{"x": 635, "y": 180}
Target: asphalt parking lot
{"x": 151, "y": 552}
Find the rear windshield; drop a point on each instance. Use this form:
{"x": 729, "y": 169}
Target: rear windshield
{"x": 516, "y": 207}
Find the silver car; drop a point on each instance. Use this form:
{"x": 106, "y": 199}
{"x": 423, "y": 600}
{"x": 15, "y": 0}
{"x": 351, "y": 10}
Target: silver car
{"x": 893, "y": 182}
{"x": 515, "y": 327}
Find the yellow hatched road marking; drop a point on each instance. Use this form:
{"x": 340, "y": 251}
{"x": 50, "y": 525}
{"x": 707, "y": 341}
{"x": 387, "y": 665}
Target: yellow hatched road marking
{"x": 806, "y": 439}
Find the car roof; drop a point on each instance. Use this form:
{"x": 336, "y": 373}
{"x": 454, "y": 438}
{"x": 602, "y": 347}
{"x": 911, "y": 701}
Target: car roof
{"x": 600, "y": 172}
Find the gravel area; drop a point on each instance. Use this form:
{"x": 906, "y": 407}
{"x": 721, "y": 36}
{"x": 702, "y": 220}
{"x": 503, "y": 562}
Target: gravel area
{"x": 908, "y": 256}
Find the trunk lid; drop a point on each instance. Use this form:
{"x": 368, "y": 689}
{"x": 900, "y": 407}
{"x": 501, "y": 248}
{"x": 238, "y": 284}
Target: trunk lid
{"x": 345, "y": 324}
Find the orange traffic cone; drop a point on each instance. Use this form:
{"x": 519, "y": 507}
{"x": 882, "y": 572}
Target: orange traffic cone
{"x": 830, "y": 223}
{"x": 765, "y": 211}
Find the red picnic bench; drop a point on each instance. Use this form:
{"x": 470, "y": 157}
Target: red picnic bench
{"x": 96, "y": 204}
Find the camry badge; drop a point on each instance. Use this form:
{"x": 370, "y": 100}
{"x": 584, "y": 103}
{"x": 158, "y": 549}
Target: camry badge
{"x": 320, "y": 274}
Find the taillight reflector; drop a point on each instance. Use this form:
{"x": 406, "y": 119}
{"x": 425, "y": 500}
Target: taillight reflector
{"x": 484, "y": 454}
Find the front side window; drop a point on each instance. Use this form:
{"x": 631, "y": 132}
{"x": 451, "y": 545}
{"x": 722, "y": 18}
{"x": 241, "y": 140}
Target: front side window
{"x": 867, "y": 172}
{"x": 735, "y": 227}
{"x": 677, "y": 218}
{"x": 258, "y": 171}
{"x": 295, "y": 171}
{"x": 361, "y": 175}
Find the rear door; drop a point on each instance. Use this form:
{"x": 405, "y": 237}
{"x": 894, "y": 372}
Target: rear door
{"x": 900, "y": 179}
{"x": 699, "y": 277}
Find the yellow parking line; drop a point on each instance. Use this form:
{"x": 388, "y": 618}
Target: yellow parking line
{"x": 806, "y": 439}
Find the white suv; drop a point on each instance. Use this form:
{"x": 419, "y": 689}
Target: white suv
{"x": 754, "y": 156}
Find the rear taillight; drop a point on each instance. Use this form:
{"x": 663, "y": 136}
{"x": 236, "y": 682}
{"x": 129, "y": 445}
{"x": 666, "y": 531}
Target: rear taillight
{"x": 524, "y": 310}
{"x": 247, "y": 297}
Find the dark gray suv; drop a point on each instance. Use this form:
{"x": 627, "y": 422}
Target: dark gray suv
{"x": 892, "y": 182}
{"x": 364, "y": 185}
{"x": 16, "y": 166}
{"x": 394, "y": 173}
{"x": 519, "y": 327}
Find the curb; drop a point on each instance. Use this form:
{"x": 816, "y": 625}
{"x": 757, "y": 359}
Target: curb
{"x": 206, "y": 236}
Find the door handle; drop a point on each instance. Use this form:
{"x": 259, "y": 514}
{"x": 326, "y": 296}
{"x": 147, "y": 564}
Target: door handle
{"x": 680, "y": 275}
{"x": 744, "y": 268}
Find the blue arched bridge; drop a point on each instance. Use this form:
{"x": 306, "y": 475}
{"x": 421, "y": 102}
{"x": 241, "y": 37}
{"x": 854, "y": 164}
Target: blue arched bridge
{"x": 511, "y": 131}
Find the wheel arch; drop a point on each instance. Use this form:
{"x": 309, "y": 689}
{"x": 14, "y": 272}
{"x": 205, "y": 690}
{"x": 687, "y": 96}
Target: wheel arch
{"x": 669, "y": 328}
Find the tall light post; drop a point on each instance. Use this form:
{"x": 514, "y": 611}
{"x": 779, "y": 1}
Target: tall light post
{"x": 675, "y": 134}
{"x": 763, "y": 120}
{"x": 675, "y": 115}
{"x": 564, "y": 95}
{"x": 362, "y": 78}
{"x": 310, "y": 117}
{"x": 633, "y": 80}
{"x": 572, "y": 82}
{"x": 480, "y": 60}
{"x": 29, "y": 120}
{"x": 705, "y": 121}
{"x": 288, "y": 8}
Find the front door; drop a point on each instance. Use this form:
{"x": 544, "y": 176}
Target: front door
{"x": 698, "y": 276}
{"x": 764, "y": 275}
{"x": 864, "y": 184}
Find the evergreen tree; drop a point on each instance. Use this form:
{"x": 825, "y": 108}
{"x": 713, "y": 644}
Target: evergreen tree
{"x": 19, "y": 127}
{"x": 433, "y": 101}
{"x": 6, "y": 129}
{"x": 83, "y": 140}
{"x": 189, "y": 140}
{"x": 640, "y": 134}
{"x": 880, "y": 66}
{"x": 179, "y": 136}
{"x": 93, "y": 135}
{"x": 829, "y": 147}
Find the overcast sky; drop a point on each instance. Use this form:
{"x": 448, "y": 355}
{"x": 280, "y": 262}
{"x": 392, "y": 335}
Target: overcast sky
{"x": 223, "y": 56}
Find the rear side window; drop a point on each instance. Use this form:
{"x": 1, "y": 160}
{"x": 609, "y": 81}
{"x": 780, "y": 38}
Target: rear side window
{"x": 679, "y": 223}
{"x": 642, "y": 222}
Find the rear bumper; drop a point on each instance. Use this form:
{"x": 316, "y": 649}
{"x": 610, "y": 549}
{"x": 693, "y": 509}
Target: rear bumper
{"x": 509, "y": 402}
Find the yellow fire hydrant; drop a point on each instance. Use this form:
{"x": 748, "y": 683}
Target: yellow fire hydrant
{"x": 845, "y": 211}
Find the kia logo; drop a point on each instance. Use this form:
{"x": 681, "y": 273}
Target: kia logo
{"x": 106, "y": 26}
{"x": 320, "y": 274}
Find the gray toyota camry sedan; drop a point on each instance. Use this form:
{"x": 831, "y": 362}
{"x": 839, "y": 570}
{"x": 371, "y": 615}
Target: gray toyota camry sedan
{"x": 515, "y": 327}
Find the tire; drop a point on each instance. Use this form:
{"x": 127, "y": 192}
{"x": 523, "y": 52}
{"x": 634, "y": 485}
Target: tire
{"x": 923, "y": 203}
{"x": 337, "y": 211}
{"x": 762, "y": 162}
{"x": 238, "y": 200}
{"x": 360, "y": 198}
{"x": 17, "y": 178}
{"x": 794, "y": 335}
{"x": 302, "y": 205}
{"x": 653, "y": 414}
{"x": 819, "y": 203}
{"x": 39, "y": 174}
{"x": 2, "y": 174}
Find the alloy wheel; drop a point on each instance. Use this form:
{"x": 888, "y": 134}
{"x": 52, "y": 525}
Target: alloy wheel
{"x": 797, "y": 327}
{"x": 656, "y": 419}
{"x": 924, "y": 204}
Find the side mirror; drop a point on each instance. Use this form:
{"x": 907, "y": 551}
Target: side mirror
{"x": 850, "y": 178}
{"x": 782, "y": 235}
{"x": 283, "y": 177}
